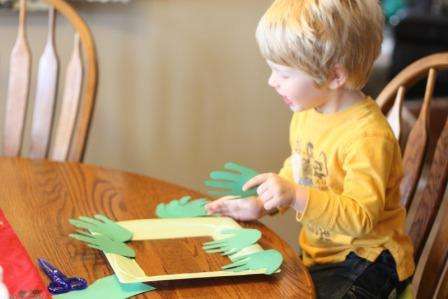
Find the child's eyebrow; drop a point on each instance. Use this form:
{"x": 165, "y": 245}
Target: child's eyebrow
{"x": 278, "y": 69}
{"x": 285, "y": 72}
{"x": 275, "y": 68}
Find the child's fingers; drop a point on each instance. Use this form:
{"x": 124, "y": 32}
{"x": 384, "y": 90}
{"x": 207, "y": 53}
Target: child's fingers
{"x": 270, "y": 204}
{"x": 266, "y": 187}
{"x": 239, "y": 210}
{"x": 268, "y": 199}
{"x": 211, "y": 208}
{"x": 230, "y": 208}
{"x": 266, "y": 195}
{"x": 217, "y": 206}
{"x": 255, "y": 181}
{"x": 261, "y": 189}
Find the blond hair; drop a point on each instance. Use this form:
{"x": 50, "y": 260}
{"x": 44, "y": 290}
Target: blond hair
{"x": 315, "y": 35}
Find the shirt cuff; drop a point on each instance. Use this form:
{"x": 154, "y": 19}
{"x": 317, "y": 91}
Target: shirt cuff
{"x": 314, "y": 206}
{"x": 285, "y": 174}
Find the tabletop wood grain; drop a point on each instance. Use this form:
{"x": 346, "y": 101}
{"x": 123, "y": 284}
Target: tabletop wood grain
{"x": 38, "y": 198}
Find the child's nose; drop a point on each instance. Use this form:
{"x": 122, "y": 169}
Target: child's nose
{"x": 272, "y": 81}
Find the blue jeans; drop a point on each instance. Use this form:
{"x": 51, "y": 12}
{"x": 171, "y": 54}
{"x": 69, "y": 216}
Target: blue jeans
{"x": 357, "y": 277}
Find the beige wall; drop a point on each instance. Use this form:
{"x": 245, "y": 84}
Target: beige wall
{"x": 182, "y": 89}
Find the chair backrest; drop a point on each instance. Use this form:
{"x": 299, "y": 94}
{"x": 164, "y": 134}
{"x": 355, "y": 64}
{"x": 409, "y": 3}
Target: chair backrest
{"x": 63, "y": 139}
{"x": 422, "y": 223}
{"x": 415, "y": 149}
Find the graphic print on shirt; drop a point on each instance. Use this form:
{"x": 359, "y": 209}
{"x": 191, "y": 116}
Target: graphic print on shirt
{"x": 321, "y": 233}
{"x": 311, "y": 170}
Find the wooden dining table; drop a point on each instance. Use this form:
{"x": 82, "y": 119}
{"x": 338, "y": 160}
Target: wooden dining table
{"x": 38, "y": 198}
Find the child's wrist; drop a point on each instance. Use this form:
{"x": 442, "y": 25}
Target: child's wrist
{"x": 261, "y": 210}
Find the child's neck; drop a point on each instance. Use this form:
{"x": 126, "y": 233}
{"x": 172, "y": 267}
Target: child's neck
{"x": 339, "y": 100}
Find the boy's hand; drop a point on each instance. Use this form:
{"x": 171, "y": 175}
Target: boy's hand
{"x": 277, "y": 192}
{"x": 244, "y": 209}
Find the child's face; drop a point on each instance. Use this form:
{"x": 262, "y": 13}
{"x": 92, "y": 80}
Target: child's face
{"x": 298, "y": 90}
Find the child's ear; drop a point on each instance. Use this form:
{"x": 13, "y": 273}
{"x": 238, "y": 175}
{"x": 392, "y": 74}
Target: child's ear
{"x": 338, "y": 77}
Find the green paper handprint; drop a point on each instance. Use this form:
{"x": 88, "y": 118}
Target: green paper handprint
{"x": 231, "y": 182}
{"x": 241, "y": 238}
{"x": 104, "y": 226}
{"x": 270, "y": 260}
{"x": 103, "y": 243}
{"x": 182, "y": 208}
{"x": 108, "y": 287}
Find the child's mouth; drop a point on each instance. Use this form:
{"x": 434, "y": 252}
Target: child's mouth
{"x": 287, "y": 101}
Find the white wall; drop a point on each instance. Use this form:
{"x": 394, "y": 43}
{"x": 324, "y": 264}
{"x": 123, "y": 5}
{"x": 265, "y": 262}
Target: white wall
{"x": 182, "y": 89}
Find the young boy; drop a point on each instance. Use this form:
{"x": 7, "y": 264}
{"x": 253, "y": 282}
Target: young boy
{"x": 345, "y": 167}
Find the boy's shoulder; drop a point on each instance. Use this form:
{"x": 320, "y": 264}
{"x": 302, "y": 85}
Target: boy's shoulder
{"x": 363, "y": 122}
{"x": 371, "y": 122}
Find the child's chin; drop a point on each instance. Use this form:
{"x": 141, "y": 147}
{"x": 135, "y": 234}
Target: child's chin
{"x": 296, "y": 108}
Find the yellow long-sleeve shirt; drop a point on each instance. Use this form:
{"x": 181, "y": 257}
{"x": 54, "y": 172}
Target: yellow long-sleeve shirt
{"x": 350, "y": 162}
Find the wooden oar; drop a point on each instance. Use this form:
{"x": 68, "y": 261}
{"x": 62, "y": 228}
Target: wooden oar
{"x": 47, "y": 82}
{"x": 18, "y": 89}
{"x": 70, "y": 103}
{"x": 416, "y": 145}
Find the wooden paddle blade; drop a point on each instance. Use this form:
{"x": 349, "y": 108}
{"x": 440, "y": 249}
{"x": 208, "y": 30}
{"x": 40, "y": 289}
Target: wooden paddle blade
{"x": 47, "y": 82}
{"x": 18, "y": 89}
{"x": 437, "y": 258}
{"x": 432, "y": 196}
{"x": 416, "y": 146}
{"x": 70, "y": 103}
{"x": 394, "y": 115}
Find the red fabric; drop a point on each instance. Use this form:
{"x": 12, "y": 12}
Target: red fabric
{"x": 19, "y": 273}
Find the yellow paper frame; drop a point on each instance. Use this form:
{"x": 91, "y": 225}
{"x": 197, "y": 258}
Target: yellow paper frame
{"x": 128, "y": 270}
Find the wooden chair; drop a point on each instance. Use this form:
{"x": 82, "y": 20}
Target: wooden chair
{"x": 427, "y": 206}
{"x": 70, "y": 130}
{"x": 390, "y": 100}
